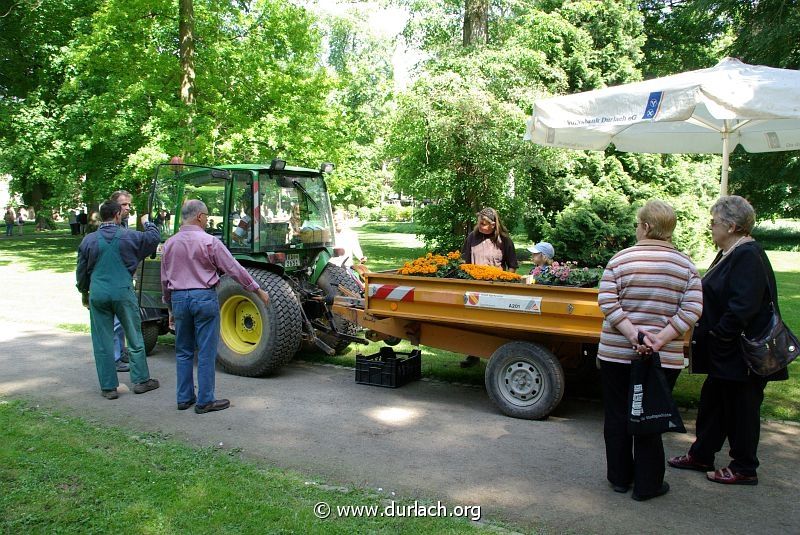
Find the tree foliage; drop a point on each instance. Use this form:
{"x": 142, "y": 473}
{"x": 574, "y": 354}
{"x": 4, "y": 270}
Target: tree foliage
{"x": 114, "y": 109}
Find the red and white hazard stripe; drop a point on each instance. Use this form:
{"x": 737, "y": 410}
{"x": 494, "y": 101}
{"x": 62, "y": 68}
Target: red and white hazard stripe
{"x": 390, "y": 292}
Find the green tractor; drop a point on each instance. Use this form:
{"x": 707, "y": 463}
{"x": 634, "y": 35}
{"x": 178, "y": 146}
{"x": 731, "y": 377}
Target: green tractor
{"x": 277, "y": 222}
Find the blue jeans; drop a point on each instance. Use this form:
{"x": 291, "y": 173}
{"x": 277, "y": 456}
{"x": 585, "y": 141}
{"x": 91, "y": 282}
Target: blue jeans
{"x": 119, "y": 339}
{"x": 9, "y": 229}
{"x": 196, "y": 315}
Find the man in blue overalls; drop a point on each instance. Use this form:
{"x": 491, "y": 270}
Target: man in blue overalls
{"x": 107, "y": 260}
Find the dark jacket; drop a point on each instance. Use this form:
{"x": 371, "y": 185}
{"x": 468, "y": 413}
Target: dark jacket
{"x": 134, "y": 246}
{"x": 736, "y": 299}
{"x": 507, "y": 246}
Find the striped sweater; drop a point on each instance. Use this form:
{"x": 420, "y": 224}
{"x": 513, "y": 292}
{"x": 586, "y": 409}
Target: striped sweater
{"x": 652, "y": 284}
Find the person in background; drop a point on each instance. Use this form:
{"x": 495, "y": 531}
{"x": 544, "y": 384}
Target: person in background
{"x": 653, "y": 289}
{"x": 74, "y": 228}
{"x": 347, "y": 248}
{"x": 489, "y": 244}
{"x": 191, "y": 265}
{"x": 83, "y": 220}
{"x": 107, "y": 260}
{"x": 738, "y": 291}
{"x": 542, "y": 255}
{"x": 20, "y": 221}
{"x": 9, "y": 218}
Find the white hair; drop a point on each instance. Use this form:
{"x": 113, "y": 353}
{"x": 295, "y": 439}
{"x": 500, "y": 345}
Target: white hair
{"x": 191, "y": 209}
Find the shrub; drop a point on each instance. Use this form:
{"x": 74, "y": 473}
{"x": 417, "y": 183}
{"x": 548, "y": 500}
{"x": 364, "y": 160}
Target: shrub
{"x": 593, "y": 228}
{"x": 365, "y": 213}
{"x": 390, "y": 212}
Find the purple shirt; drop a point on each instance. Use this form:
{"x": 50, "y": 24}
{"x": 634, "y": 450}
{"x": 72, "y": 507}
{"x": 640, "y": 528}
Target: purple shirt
{"x": 194, "y": 259}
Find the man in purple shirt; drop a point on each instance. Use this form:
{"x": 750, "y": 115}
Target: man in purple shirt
{"x": 190, "y": 267}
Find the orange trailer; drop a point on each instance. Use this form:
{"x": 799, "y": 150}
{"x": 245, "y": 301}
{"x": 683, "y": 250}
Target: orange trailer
{"x": 530, "y": 333}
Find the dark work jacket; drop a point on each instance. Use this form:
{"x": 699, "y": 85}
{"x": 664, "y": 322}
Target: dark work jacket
{"x": 736, "y": 299}
{"x": 507, "y": 246}
{"x": 134, "y": 246}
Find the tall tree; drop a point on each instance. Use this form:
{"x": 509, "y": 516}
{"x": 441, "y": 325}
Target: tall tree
{"x": 186, "y": 36}
{"x": 476, "y": 22}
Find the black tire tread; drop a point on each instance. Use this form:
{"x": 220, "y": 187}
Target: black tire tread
{"x": 150, "y": 336}
{"x": 285, "y": 325}
{"x": 331, "y": 278}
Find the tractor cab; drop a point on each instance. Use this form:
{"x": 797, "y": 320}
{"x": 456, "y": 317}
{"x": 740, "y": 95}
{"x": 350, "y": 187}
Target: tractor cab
{"x": 269, "y": 214}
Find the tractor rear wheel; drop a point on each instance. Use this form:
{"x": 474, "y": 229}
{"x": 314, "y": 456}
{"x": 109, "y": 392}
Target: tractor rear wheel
{"x": 257, "y": 339}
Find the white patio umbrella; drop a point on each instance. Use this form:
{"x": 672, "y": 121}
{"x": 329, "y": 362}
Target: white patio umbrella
{"x": 705, "y": 111}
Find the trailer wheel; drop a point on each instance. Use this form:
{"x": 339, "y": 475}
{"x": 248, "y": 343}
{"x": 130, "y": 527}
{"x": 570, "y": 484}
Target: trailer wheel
{"x": 524, "y": 380}
{"x": 330, "y": 279}
{"x": 150, "y": 336}
{"x": 257, "y": 339}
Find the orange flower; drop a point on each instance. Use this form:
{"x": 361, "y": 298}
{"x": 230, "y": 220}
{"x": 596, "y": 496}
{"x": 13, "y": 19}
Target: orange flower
{"x": 489, "y": 273}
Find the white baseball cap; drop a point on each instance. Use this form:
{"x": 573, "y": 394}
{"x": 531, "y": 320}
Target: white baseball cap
{"x": 544, "y": 248}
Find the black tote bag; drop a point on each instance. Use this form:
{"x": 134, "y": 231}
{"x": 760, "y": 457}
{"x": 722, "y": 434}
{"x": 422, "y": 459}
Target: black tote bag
{"x": 651, "y": 409}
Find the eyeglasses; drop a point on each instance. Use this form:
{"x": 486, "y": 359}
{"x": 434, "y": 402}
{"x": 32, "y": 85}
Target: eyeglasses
{"x": 487, "y": 223}
{"x": 202, "y": 213}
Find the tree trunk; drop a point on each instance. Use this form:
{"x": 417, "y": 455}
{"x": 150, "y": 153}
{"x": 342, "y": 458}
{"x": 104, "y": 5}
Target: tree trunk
{"x": 476, "y": 22}
{"x": 186, "y": 34}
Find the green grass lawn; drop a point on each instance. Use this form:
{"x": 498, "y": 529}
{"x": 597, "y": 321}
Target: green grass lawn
{"x": 61, "y": 474}
{"x": 54, "y": 250}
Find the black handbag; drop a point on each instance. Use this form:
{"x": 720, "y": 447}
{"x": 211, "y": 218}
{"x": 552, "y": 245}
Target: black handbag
{"x": 775, "y": 347}
{"x": 651, "y": 409}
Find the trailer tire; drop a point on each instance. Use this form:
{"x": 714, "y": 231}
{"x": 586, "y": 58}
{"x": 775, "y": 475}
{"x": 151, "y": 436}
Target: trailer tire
{"x": 524, "y": 380}
{"x": 257, "y": 339}
{"x": 330, "y": 279}
{"x": 150, "y": 335}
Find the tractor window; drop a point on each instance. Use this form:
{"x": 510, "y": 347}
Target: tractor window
{"x": 276, "y": 208}
{"x": 242, "y": 211}
{"x": 316, "y": 212}
{"x": 297, "y": 215}
{"x": 211, "y": 191}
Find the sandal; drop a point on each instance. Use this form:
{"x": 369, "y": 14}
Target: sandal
{"x": 729, "y": 477}
{"x": 687, "y": 462}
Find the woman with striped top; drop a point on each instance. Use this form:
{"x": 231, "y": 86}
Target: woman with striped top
{"x": 654, "y": 289}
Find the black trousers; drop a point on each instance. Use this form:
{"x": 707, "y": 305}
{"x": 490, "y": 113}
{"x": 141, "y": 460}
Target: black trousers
{"x": 629, "y": 459}
{"x": 732, "y": 410}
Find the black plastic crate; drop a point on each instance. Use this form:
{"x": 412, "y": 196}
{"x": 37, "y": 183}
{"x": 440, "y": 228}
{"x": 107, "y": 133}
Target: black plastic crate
{"x": 389, "y": 368}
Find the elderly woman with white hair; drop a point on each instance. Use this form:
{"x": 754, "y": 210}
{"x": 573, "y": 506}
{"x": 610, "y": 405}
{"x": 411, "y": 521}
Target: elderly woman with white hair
{"x": 654, "y": 290}
{"x": 738, "y": 290}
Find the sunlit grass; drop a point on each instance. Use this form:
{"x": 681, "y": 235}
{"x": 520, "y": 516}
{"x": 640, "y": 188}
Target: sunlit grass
{"x": 60, "y": 474}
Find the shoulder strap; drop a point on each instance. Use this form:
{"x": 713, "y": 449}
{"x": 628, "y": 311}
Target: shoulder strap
{"x": 773, "y": 292}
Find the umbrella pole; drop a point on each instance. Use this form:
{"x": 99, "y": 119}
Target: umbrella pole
{"x": 723, "y": 187}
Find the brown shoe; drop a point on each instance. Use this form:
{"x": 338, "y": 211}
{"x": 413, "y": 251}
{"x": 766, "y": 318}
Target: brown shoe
{"x": 218, "y": 405}
{"x": 687, "y": 462}
{"x": 109, "y": 394}
{"x": 147, "y": 386}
